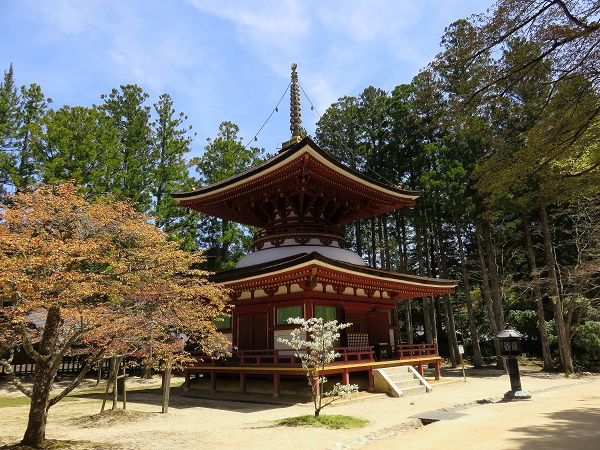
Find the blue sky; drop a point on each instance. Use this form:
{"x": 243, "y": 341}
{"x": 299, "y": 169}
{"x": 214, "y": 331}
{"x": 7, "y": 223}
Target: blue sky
{"x": 224, "y": 60}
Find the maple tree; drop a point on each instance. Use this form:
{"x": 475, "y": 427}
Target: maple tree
{"x": 94, "y": 278}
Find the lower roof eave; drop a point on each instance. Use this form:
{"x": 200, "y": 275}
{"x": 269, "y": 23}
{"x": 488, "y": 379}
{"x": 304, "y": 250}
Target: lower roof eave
{"x": 315, "y": 263}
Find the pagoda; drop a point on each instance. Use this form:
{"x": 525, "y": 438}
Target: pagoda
{"x": 300, "y": 266}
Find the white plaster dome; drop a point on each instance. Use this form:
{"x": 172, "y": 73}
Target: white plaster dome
{"x": 273, "y": 253}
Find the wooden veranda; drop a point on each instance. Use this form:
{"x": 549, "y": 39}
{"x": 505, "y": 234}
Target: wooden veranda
{"x": 283, "y": 363}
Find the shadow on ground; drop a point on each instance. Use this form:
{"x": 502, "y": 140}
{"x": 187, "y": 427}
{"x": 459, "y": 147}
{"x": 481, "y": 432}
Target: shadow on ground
{"x": 578, "y": 426}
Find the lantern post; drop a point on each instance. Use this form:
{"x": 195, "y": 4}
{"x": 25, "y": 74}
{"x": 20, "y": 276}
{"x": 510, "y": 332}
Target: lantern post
{"x": 510, "y": 346}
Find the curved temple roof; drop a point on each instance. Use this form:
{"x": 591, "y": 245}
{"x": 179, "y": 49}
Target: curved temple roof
{"x": 300, "y": 269}
{"x": 304, "y": 178}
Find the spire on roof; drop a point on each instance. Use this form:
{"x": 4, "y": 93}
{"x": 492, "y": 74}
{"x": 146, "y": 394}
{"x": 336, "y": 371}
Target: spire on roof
{"x": 295, "y": 112}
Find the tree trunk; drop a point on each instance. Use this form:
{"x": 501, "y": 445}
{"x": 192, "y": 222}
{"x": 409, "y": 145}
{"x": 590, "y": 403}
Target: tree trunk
{"x": 45, "y": 371}
{"x": 425, "y": 300}
{"x": 166, "y": 388}
{"x": 538, "y": 296}
{"x": 35, "y": 434}
{"x": 373, "y": 251}
{"x": 359, "y": 248}
{"x": 561, "y": 327}
{"x": 446, "y": 299}
{"x": 117, "y": 363}
{"x": 488, "y": 299}
{"x": 495, "y": 291}
{"x": 472, "y": 326}
{"x": 386, "y": 244}
{"x": 451, "y": 329}
{"x": 408, "y": 322}
{"x": 494, "y": 277}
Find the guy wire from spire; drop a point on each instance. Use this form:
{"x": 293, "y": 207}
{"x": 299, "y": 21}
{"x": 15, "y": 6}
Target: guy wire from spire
{"x": 312, "y": 107}
{"x": 268, "y": 118}
{"x": 369, "y": 169}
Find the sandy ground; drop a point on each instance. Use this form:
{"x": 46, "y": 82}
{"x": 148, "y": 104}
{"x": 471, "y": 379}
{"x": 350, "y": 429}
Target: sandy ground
{"x": 563, "y": 413}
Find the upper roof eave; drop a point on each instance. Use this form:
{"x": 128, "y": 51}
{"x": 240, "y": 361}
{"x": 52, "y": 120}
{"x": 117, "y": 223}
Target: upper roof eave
{"x": 281, "y": 157}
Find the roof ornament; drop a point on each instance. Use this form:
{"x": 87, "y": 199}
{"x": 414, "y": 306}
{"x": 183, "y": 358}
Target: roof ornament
{"x": 295, "y": 112}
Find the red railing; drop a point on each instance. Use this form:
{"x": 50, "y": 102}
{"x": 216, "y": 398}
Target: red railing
{"x": 285, "y": 357}
{"x": 354, "y": 354}
{"x": 266, "y": 357}
{"x": 407, "y": 351}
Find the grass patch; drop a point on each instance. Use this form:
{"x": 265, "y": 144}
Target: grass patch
{"x": 14, "y": 401}
{"x": 22, "y": 400}
{"x": 335, "y": 422}
{"x": 109, "y": 417}
{"x": 52, "y": 444}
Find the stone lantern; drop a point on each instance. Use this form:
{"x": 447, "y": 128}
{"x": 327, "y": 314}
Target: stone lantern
{"x": 510, "y": 346}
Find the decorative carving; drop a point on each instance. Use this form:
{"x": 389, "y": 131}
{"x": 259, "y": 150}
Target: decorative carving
{"x": 326, "y": 240}
{"x": 302, "y": 240}
{"x": 339, "y": 288}
{"x": 270, "y": 291}
{"x": 276, "y": 242}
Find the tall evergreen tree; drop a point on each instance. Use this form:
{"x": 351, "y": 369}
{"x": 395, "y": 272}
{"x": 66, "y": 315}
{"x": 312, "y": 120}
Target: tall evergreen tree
{"x": 226, "y": 242}
{"x": 131, "y": 119}
{"x": 171, "y": 143}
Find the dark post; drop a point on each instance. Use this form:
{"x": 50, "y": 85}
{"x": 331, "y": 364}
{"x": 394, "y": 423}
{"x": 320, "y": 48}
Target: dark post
{"x": 510, "y": 346}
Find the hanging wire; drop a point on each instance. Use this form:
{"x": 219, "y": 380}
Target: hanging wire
{"x": 276, "y": 109}
{"x": 369, "y": 169}
{"x": 312, "y": 107}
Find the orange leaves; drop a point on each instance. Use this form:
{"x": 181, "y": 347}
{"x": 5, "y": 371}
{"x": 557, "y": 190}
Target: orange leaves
{"x": 114, "y": 275}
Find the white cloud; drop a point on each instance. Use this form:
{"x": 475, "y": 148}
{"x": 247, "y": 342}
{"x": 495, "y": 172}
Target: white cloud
{"x": 360, "y": 21}
{"x": 69, "y": 17}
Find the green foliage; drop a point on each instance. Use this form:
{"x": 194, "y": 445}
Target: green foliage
{"x": 80, "y": 144}
{"x": 586, "y": 343}
{"x": 130, "y": 118}
{"x": 225, "y": 242}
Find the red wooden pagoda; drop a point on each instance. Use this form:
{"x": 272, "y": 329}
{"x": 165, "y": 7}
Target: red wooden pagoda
{"x": 300, "y": 266}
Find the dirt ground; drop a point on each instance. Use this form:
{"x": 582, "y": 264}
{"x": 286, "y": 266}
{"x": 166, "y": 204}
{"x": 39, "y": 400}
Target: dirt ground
{"x": 563, "y": 413}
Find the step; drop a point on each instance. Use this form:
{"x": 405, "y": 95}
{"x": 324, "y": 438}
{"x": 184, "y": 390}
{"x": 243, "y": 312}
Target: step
{"x": 407, "y": 384}
{"x": 398, "y": 381}
{"x": 397, "y": 370}
{"x": 414, "y": 390}
{"x": 401, "y": 376}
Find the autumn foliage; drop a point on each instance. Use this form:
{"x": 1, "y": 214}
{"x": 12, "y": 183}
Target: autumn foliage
{"x": 94, "y": 278}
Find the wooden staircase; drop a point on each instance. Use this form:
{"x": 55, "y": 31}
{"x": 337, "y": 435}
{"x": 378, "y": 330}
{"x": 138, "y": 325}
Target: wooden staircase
{"x": 400, "y": 381}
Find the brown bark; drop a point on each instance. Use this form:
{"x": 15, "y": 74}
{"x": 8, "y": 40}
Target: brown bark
{"x": 359, "y": 248}
{"x": 382, "y": 243}
{"x": 451, "y": 330}
{"x": 373, "y": 251}
{"x": 467, "y": 288}
{"x": 425, "y": 300}
{"x": 447, "y": 301}
{"x": 166, "y": 388}
{"x": 561, "y": 326}
{"x": 488, "y": 298}
{"x": 45, "y": 371}
{"x": 494, "y": 278}
{"x": 386, "y": 244}
{"x": 408, "y": 322}
{"x": 538, "y": 296}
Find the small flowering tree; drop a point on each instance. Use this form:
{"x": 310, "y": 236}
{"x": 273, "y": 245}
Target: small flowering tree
{"x": 316, "y": 352}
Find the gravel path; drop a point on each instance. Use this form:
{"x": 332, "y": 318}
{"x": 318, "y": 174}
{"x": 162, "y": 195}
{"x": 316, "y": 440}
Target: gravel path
{"x": 198, "y": 419}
